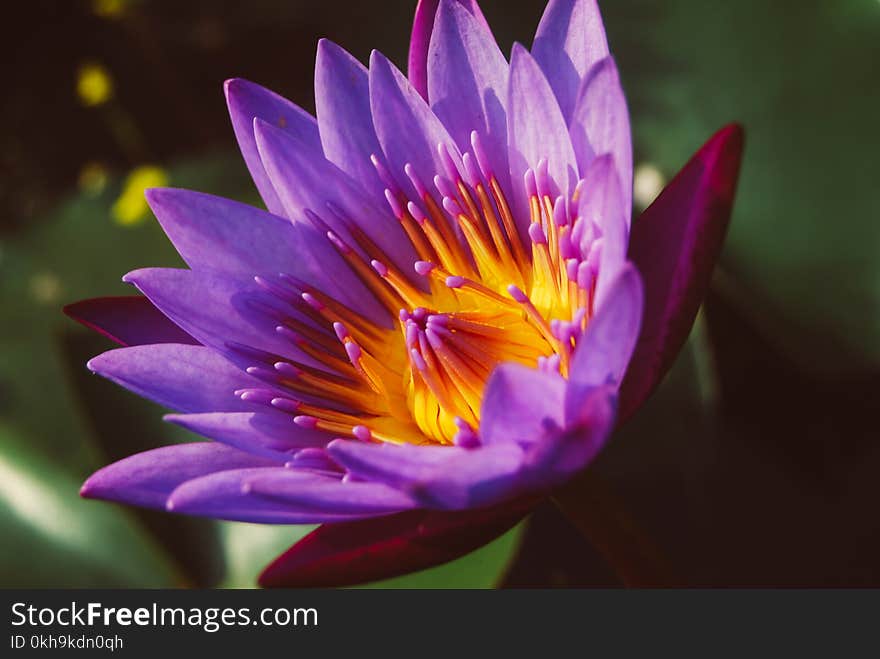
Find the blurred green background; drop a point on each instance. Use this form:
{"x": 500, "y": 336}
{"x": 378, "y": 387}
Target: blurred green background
{"x": 757, "y": 461}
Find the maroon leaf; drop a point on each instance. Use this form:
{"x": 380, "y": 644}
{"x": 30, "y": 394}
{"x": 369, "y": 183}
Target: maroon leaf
{"x": 675, "y": 244}
{"x": 349, "y": 553}
{"x": 128, "y": 320}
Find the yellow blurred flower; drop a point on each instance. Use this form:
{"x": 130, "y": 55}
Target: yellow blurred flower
{"x": 131, "y": 206}
{"x": 109, "y": 8}
{"x": 94, "y": 86}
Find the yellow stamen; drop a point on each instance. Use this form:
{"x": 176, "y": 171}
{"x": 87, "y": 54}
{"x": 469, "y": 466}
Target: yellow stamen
{"x": 491, "y": 300}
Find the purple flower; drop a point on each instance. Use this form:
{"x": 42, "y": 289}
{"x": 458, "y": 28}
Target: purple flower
{"x": 440, "y": 315}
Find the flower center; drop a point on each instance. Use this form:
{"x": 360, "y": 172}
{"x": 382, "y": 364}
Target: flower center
{"x": 481, "y": 294}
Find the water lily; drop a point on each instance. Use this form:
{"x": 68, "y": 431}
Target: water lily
{"x": 440, "y": 317}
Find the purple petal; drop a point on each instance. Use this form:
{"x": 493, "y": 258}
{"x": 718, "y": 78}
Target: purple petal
{"x": 602, "y": 202}
{"x": 436, "y": 476}
{"x": 675, "y": 244}
{"x": 311, "y": 492}
{"x": 146, "y": 479}
{"x": 350, "y": 553}
{"x": 521, "y": 405}
{"x": 600, "y": 124}
{"x": 604, "y": 350}
{"x": 128, "y": 320}
{"x": 216, "y": 310}
{"x": 423, "y": 26}
{"x": 271, "y": 435}
{"x": 467, "y": 82}
{"x": 590, "y": 420}
{"x": 246, "y": 101}
{"x": 569, "y": 41}
{"x": 342, "y": 103}
{"x": 536, "y": 130}
{"x": 213, "y": 233}
{"x": 306, "y": 182}
{"x": 181, "y": 377}
{"x": 224, "y": 495}
{"x": 408, "y": 130}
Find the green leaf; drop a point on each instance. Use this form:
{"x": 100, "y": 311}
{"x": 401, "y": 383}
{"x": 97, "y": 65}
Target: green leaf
{"x": 52, "y": 538}
{"x": 79, "y": 251}
{"x": 248, "y": 548}
{"x": 802, "y": 79}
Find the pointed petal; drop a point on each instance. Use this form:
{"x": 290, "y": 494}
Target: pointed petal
{"x": 600, "y": 124}
{"x": 602, "y": 202}
{"x": 216, "y": 310}
{"x": 675, "y": 244}
{"x": 606, "y": 347}
{"x": 225, "y": 495}
{"x": 423, "y": 26}
{"x": 320, "y": 494}
{"x": 270, "y": 435}
{"x": 306, "y": 182}
{"x": 128, "y": 320}
{"x": 213, "y": 233}
{"x": 350, "y": 553}
{"x": 590, "y": 420}
{"x": 570, "y": 39}
{"x": 408, "y": 130}
{"x": 467, "y": 82}
{"x": 436, "y": 476}
{"x": 247, "y": 100}
{"x": 342, "y": 104}
{"x": 536, "y": 129}
{"x": 521, "y": 405}
{"x": 181, "y": 377}
{"x": 146, "y": 479}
